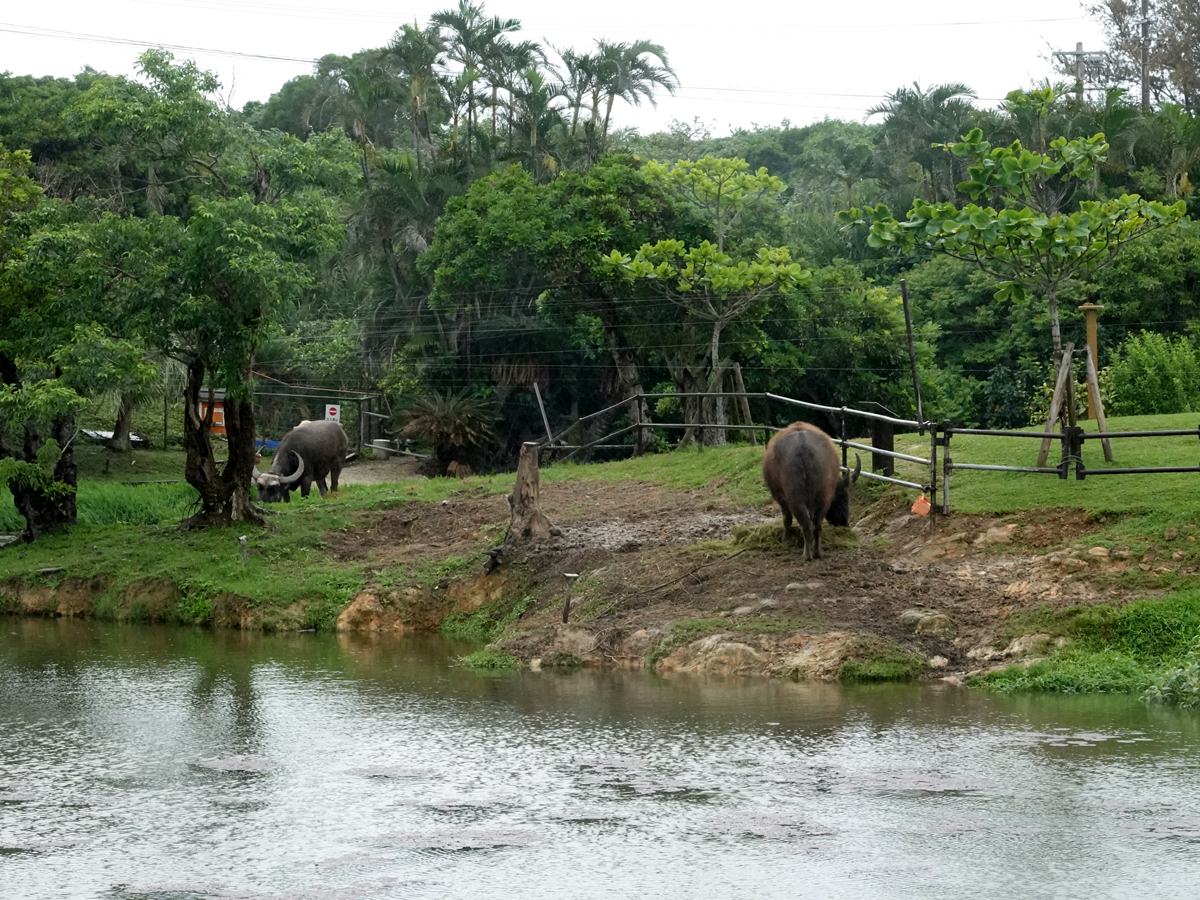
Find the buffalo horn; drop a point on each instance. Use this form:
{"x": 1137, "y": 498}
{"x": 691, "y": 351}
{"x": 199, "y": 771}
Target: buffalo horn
{"x": 857, "y": 468}
{"x": 295, "y": 476}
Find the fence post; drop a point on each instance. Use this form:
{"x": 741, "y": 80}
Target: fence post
{"x": 845, "y": 449}
{"x": 933, "y": 445}
{"x": 947, "y": 465}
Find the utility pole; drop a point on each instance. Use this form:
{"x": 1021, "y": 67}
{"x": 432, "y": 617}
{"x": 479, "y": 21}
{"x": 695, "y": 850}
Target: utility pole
{"x": 1145, "y": 55}
{"x": 1089, "y": 68}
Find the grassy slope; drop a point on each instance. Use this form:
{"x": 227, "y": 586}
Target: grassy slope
{"x": 127, "y": 532}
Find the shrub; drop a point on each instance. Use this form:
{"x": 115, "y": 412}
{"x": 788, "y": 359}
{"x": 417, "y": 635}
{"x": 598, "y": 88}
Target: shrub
{"x": 1155, "y": 375}
{"x": 451, "y": 423}
{"x": 1179, "y": 686}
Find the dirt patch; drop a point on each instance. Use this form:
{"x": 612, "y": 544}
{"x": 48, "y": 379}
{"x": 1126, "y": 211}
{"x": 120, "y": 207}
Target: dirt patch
{"x": 380, "y": 471}
{"x": 945, "y": 589}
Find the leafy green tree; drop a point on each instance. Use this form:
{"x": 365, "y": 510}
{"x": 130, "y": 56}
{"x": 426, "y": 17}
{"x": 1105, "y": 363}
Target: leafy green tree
{"x": 1036, "y": 248}
{"x": 416, "y": 53}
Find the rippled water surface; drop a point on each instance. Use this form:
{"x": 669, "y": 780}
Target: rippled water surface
{"x": 168, "y": 764}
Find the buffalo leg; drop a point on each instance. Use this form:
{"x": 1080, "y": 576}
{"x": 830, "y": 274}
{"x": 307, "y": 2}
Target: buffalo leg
{"x": 333, "y": 477}
{"x": 305, "y": 486}
{"x": 321, "y": 486}
{"x": 816, "y": 539}
{"x": 787, "y": 525}
{"x": 806, "y": 525}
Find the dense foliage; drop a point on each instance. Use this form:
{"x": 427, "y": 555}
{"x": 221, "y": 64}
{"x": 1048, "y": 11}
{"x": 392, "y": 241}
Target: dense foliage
{"x": 457, "y": 218}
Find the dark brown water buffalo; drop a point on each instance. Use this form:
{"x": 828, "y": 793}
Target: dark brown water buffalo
{"x": 802, "y": 470}
{"x": 307, "y": 453}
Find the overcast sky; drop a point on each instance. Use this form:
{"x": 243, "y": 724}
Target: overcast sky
{"x": 738, "y": 63}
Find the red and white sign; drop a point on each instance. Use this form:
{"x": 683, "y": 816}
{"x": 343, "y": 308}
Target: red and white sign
{"x": 333, "y": 413}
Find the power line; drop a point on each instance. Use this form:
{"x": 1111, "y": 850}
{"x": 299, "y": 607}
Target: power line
{"x": 30, "y": 31}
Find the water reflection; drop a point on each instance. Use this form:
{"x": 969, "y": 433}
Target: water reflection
{"x": 172, "y": 763}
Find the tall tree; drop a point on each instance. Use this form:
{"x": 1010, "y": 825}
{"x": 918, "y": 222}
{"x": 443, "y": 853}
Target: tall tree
{"x": 917, "y": 118}
{"x": 417, "y": 53}
{"x": 631, "y": 72}
{"x": 470, "y": 36}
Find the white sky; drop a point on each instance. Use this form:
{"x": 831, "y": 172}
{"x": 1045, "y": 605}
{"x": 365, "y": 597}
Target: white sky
{"x": 738, "y": 65}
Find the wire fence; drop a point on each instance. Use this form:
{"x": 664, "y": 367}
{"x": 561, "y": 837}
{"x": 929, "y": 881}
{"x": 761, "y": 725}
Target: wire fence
{"x": 936, "y": 469}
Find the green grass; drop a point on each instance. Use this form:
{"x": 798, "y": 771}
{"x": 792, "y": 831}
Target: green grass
{"x": 1000, "y": 492}
{"x": 1113, "y": 649}
{"x": 486, "y": 623}
{"x": 490, "y": 661}
{"x": 887, "y": 663}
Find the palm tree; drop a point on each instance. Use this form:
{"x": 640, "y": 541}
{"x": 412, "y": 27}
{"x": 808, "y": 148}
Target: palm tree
{"x": 355, "y": 96}
{"x": 628, "y": 71}
{"x": 416, "y": 53}
{"x": 533, "y": 97}
{"x": 469, "y": 39}
{"x": 579, "y": 82}
{"x": 1169, "y": 138}
{"x": 503, "y": 64}
{"x": 917, "y": 119}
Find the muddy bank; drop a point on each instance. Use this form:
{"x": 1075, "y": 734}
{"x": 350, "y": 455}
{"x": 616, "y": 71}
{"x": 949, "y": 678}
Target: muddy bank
{"x": 671, "y": 579}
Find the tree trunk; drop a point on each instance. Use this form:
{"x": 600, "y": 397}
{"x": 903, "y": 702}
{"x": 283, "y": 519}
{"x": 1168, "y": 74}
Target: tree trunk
{"x": 528, "y": 522}
{"x": 200, "y": 467}
{"x": 1055, "y": 333}
{"x": 690, "y": 380}
{"x": 630, "y": 378}
{"x": 43, "y": 511}
{"x": 239, "y": 468}
{"x": 224, "y": 497}
{"x": 607, "y": 113}
{"x": 120, "y": 441}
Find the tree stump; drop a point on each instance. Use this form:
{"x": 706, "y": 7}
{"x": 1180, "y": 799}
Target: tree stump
{"x": 528, "y": 522}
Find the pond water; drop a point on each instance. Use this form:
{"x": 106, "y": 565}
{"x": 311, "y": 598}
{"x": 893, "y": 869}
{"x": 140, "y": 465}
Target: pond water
{"x": 172, "y": 764}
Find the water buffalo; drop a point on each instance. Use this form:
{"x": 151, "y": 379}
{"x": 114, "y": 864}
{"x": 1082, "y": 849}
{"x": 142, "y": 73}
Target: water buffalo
{"x": 307, "y": 453}
{"x": 803, "y": 473}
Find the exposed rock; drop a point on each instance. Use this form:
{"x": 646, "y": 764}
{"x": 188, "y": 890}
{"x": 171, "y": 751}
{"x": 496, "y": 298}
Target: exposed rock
{"x": 910, "y": 617}
{"x": 1178, "y": 555}
{"x": 743, "y": 610}
{"x": 1120, "y": 554}
{"x": 717, "y": 654}
{"x": 794, "y": 586}
{"x": 1171, "y": 534}
{"x": 1073, "y": 565}
{"x": 818, "y": 656}
{"x": 938, "y": 662}
{"x": 1061, "y": 642}
{"x": 575, "y": 640}
{"x": 936, "y": 624}
{"x": 1026, "y": 644}
{"x": 1099, "y": 552}
{"x": 999, "y": 534}
{"x": 985, "y": 653}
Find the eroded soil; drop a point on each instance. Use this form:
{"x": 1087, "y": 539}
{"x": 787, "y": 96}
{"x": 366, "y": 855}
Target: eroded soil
{"x": 683, "y": 582}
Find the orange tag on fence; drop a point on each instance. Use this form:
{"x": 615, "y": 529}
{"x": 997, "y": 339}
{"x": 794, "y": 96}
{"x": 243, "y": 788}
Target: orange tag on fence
{"x": 921, "y": 507}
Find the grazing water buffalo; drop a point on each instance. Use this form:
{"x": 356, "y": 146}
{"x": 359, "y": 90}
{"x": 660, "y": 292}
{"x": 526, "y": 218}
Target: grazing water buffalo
{"x": 803, "y": 473}
{"x": 307, "y": 453}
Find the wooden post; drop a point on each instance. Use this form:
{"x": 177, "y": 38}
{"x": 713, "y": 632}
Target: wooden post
{"x": 1090, "y": 311}
{"x": 1056, "y": 401}
{"x": 1096, "y": 404}
{"x": 566, "y": 614}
